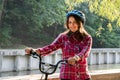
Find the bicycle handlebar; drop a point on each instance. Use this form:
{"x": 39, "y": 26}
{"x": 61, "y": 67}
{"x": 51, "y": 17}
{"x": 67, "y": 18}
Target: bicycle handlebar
{"x": 35, "y": 55}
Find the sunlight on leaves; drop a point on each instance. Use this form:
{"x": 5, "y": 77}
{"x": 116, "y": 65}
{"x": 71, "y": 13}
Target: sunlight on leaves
{"x": 99, "y": 31}
{"x": 109, "y": 27}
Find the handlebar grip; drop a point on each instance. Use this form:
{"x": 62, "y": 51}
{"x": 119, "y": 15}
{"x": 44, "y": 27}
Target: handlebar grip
{"x": 34, "y": 54}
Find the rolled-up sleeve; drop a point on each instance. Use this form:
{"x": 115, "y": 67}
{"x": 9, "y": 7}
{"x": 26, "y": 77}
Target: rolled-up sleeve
{"x": 86, "y": 47}
{"x": 56, "y": 44}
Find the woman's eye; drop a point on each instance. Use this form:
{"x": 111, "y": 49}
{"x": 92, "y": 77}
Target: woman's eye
{"x": 70, "y": 22}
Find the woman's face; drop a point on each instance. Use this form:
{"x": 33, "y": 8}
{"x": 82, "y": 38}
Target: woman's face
{"x": 72, "y": 24}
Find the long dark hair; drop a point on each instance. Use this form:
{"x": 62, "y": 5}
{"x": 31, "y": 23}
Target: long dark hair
{"x": 81, "y": 33}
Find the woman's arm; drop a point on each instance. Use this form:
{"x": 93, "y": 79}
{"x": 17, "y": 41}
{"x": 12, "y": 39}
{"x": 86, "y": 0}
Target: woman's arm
{"x": 86, "y": 47}
{"x": 84, "y": 52}
{"x": 56, "y": 44}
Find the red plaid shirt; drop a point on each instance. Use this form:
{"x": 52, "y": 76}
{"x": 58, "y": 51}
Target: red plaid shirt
{"x": 69, "y": 49}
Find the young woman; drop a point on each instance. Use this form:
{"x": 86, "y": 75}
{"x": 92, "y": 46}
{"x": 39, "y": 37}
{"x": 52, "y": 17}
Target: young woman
{"x": 75, "y": 44}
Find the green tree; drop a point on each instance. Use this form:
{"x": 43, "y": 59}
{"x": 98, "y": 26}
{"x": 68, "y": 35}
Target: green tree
{"x": 25, "y": 18}
{"x": 4, "y": 30}
{"x": 109, "y": 9}
{"x": 33, "y": 21}
{"x": 104, "y": 31}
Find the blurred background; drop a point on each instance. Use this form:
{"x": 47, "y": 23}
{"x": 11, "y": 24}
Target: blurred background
{"x": 36, "y": 23}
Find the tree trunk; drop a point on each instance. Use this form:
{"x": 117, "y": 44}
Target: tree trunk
{"x": 55, "y": 29}
{"x": 2, "y": 12}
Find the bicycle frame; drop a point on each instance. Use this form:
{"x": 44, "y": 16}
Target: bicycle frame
{"x": 35, "y": 55}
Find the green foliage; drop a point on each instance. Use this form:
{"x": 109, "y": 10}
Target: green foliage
{"x": 104, "y": 31}
{"x": 0, "y": 5}
{"x": 5, "y": 37}
{"x": 31, "y": 22}
{"x": 109, "y": 9}
{"x": 107, "y": 38}
{"x": 27, "y": 17}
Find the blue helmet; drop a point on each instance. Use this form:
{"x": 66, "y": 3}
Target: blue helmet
{"x": 80, "y": 14}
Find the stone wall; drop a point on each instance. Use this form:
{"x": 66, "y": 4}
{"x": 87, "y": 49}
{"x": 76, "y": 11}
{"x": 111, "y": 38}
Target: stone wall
{"x": 16, "y": 60}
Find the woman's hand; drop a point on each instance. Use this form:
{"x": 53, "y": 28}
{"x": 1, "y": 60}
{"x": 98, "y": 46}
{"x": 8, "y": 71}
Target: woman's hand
{"x": 29, "y": 49}
{"x": 71, "y": 61}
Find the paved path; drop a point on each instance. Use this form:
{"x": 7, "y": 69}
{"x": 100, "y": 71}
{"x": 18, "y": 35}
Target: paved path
{"x": 56, "y": 75}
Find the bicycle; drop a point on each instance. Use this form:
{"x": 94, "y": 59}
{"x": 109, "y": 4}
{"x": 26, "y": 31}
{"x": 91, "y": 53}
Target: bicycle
{"x": 52, "y": 66}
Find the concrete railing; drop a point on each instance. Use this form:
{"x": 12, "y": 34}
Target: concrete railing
{"x": 104, "y": 56}
{"x": 16, "y": 60}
